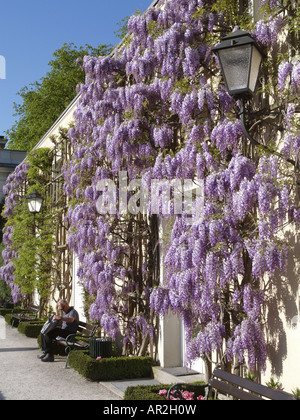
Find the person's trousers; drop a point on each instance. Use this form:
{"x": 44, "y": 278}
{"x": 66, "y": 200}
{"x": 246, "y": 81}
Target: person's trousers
{"x": 47, "y": 339}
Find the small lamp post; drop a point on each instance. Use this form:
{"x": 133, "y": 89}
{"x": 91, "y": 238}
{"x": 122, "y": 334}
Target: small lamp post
{"x": 34, "y": 201}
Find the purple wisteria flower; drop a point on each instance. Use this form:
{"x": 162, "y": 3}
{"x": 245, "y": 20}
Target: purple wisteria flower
{"x": 284, "y": 71}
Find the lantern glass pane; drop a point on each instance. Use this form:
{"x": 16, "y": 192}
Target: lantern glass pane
{"x": 34, "y": 205}
{"x": 255, "y": 66}
{"x": 236, "y": 65}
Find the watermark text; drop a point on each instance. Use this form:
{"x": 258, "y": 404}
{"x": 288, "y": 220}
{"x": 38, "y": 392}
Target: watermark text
{"x": 163, "y": 197}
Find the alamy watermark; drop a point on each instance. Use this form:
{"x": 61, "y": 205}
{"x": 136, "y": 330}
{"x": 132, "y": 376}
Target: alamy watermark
{"x": 163, "y": 197}
{"x": 2, "y": 67}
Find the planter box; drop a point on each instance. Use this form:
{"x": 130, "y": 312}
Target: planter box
{"x": 5, "y": 311}
{"x": 113, "y": 368}
{"x": 30, "y": 329}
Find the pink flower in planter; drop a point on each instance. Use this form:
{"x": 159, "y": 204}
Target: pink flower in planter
{"x": 186, "y": 395}
{"x": 163, "y": 392}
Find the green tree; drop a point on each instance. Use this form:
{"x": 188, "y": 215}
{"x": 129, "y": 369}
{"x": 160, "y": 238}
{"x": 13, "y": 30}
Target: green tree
{"x": 43, "y": 101}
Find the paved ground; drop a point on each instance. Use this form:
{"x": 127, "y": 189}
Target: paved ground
{"x": 24, "y": 377}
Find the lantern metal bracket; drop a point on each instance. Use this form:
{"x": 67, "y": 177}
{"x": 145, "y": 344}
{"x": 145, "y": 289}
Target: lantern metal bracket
{"x": 242, "y": 114}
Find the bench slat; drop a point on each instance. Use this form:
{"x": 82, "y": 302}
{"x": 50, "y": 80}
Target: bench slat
{"x": 241, "y": 388}
{"x": 86, "y": 330}
{"x": 89, "y": 327}
{"x": 233, "y": 391}
{"x": 252, "y": 386}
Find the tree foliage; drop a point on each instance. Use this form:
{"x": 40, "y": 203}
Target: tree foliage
{"x": 43, "y": 101}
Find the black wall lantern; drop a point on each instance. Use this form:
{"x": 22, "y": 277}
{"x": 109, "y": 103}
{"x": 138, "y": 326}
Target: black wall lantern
{"x": 240, "y": 58}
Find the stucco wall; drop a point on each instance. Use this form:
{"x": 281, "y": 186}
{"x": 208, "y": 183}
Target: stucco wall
{"x": 283, "y": 321}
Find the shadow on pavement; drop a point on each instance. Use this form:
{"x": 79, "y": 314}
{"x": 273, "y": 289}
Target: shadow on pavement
{"x": 18, "y": 349}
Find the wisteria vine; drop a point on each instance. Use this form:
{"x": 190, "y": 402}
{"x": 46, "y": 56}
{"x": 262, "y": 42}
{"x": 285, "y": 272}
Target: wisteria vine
{"x": 27, "y": 256}
{"x": 14, "y": 181}
{"x": 157, "y": 109}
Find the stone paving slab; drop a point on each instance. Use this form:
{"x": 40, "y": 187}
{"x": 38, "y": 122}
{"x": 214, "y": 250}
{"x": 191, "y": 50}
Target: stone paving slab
{"x": 24, "y": 377}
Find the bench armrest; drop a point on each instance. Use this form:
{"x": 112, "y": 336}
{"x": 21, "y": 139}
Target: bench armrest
{"x": 95, "y": 329}
{"x": 71, "y": 339}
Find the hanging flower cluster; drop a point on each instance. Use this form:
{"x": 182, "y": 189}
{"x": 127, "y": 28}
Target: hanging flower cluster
{"x": 11, "y": 190}
{"x": 15, "y": 180}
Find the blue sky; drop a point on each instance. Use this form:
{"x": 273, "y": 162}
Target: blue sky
{"x": 31, "y": 30}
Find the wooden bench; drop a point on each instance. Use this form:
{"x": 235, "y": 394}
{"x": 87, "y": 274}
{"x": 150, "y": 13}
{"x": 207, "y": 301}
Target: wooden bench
{"x": 234, "y": 386}
{"x": 80, "y": 340}
{"x": 29, "y": 314}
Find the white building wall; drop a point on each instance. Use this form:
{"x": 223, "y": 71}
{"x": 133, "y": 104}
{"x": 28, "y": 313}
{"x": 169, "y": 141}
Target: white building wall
{"x": 77, "y": 291}
{"x": 282, "y": 322}
{"x": 64, "y": 121}
{"x": 171, "y": 343}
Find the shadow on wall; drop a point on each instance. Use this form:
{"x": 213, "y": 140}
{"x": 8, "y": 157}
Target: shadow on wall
{"x": 282, "y": 304}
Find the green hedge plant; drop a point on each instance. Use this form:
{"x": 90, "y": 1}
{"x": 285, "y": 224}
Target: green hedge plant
{"x": 114, "y": 368}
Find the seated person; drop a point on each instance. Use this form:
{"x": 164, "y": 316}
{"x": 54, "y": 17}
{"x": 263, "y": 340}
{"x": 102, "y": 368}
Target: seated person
{"x": 70, "y": 322}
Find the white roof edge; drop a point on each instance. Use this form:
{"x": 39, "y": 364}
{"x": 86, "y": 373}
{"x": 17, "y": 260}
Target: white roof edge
{"x": 60, "y": 118}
